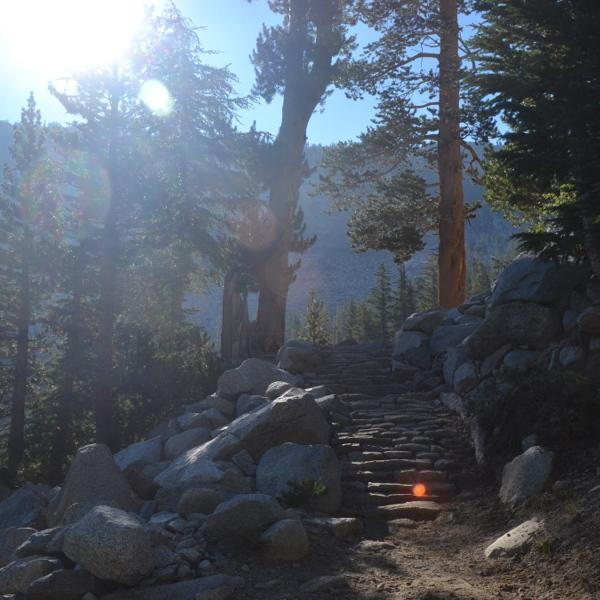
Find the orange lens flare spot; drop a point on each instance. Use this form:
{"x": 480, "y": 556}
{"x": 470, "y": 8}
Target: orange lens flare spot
{"x": 419, "y": 490}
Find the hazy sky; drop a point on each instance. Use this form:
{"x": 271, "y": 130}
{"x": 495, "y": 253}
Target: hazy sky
{"x": 37, "y": 42}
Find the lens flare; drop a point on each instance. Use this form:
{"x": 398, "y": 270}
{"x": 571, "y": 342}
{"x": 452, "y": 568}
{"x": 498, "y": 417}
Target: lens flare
{"x": 419, "y": 490}
{"x": 156, "y": 97}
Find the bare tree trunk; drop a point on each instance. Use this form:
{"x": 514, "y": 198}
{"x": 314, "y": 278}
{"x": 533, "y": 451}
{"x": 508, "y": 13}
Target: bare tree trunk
{"x": 16, "y": 438}
{"x": 451, "y": 257}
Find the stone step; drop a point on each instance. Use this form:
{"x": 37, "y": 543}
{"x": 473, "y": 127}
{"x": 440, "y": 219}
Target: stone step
{"x": 419, "y": 510}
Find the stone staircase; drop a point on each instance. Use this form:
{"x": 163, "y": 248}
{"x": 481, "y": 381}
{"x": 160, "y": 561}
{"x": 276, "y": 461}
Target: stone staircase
{"x": 403, "y": 454}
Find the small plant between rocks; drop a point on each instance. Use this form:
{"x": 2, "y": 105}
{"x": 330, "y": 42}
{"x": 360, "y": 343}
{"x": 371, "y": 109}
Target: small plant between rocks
{"x": 301, "y": 493}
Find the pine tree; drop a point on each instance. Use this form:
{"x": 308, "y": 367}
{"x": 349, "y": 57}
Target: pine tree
{"x": 404, "y": 302}
{"x": 538, "y": 73}
{"x": 315, "y": 321}
{"x": 427, "y": 285}
{"x": 380, "y": 300}
{"x": 366, "y": 326}
{"x": 415, "y": 67}
{"x": 28, "y": 206}
{"x": 479, "y": 277}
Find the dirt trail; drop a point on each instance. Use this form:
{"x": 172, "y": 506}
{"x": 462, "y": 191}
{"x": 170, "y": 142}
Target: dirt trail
{"x": 441, "y": 558}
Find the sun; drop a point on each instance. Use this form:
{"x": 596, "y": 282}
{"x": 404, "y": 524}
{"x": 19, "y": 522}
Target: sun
{"x": 53, "y": 37}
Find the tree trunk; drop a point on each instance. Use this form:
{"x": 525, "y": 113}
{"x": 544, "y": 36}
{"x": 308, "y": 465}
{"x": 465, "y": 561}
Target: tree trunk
{"x": 452, "y": 283}
{"x": 104, "y": 403}
{"x": 16, "y": 438}
{"x": 66, "y": 398}
{"x": 304, "y": 89}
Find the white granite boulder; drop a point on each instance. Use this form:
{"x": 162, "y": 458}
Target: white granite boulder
{"x": 294, "y": 417}
{"x": 299, "y": 357}
{"x": 112, "y": 545}
{"x": 526, "y": 475}
{"x": 93, "y": 479}
{"x": 137, "y": 456}
{"x": 528, "y": 279}
{"x": 516, "y": 541}
{"x": 253, "y": 376}
{"x": 285, "y": 540}
{"x": 301, "y": 463}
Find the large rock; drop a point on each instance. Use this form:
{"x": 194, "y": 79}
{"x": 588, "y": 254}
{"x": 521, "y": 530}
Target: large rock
{"x": 137, "y": 456}
{"x": 64, "y": 584}
{"x": 299, "y": 357}
{"x": 589, "y": 320}
{"x": 530, "y": 280}
{"x": 25, "y": 508}
{"x": 526, "y": 475}
{"x": 521, "y": 323}
{"x": 427, "y": 321}
{"x": 253, "y": 376}
{"x": 516, "y": 541}
{"x": 26, "y": 570}
{"x": 112, "y": 545}
{"x": 237, "y": 523}
{"x": 455, "y": 358}
{"x": 181, "y": 442}
{"x": 193, "y": 471}
{"x": 285, "y": 540}
{"x": 213, "y": 587}
{"x": 94, "y": 479}
{"x": 294, "y": 417}
{"x": 406, "y": 342}
{"x": 450, "y": 336}
{"x": 298, "y": 463}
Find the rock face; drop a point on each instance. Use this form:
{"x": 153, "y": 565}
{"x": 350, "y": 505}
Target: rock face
{"x": 530, "y": 280}
{"x": 300, "y": 463}
{"x": 526, "y": 475}
{"x": 111, "y": 544}
{"x": 93, "y": 479}
{"x": 520, "y": 323}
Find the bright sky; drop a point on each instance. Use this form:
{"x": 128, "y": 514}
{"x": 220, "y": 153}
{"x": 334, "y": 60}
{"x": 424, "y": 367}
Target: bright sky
{"x": 40, "y": 39}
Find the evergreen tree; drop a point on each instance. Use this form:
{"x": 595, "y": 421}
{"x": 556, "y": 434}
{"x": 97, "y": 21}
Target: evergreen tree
{"x": 315, "y": 321}
{"x": 366, "y": 326}
{"x": 416, "y": 68}
{"x": 28, "y": 206}
{"x": 380, "y": 300}
{"x": 538, "y": 72}
{"x": 427, "y": 285}
{"x": 404, "y": 301}
{"x": 479, "y": 281}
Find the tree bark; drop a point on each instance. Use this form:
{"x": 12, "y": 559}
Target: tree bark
{"x": 452, "y": 284}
